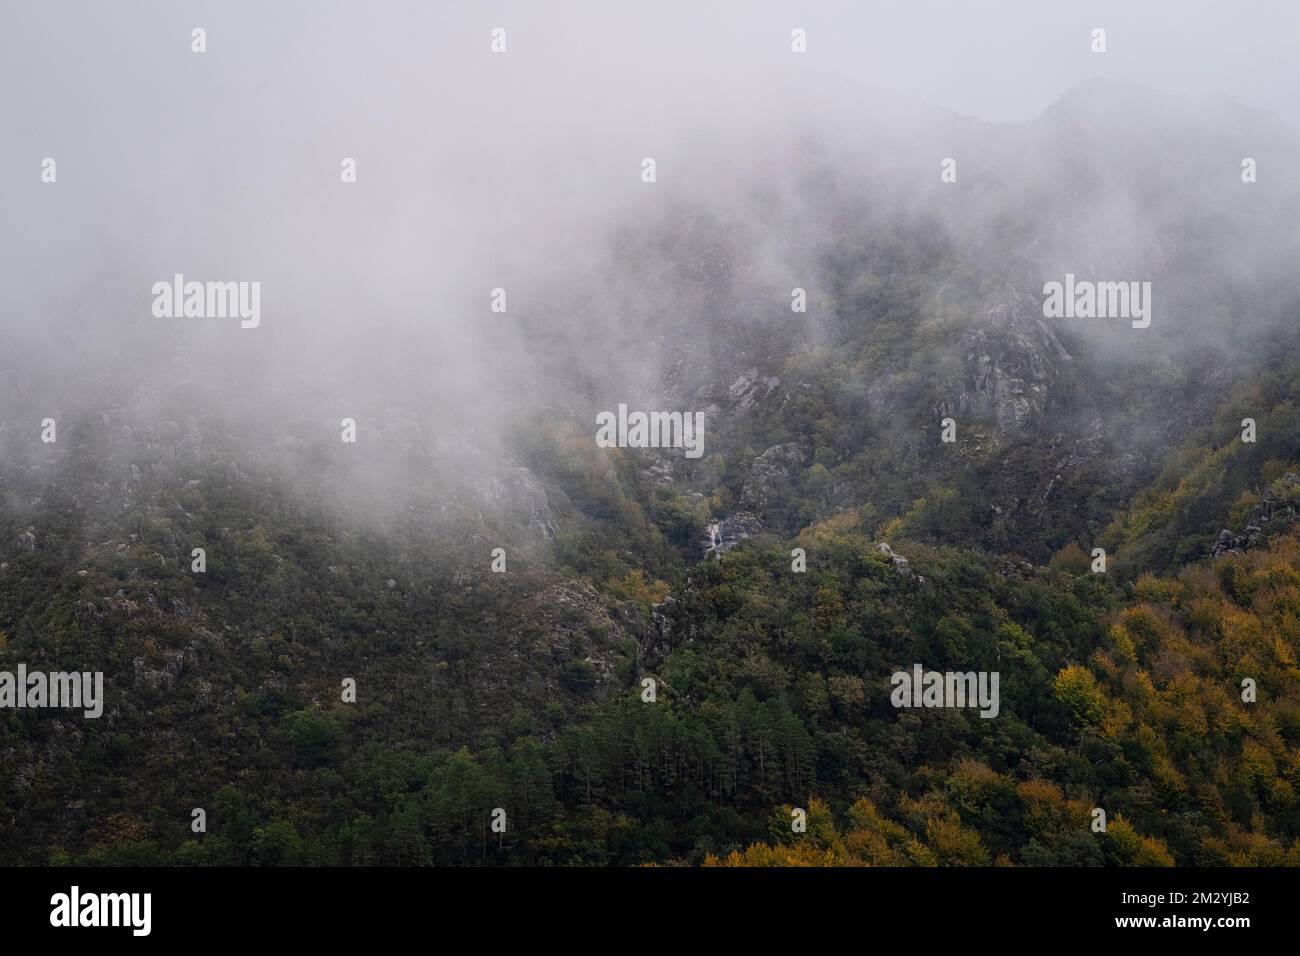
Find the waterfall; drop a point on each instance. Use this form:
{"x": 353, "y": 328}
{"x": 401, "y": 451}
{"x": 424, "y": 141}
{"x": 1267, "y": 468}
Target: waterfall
{"x": 714, "y": 539}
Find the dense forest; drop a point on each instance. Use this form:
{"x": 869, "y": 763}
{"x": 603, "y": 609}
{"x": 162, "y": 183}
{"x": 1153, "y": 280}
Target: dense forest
{"x": 524, "y": 690}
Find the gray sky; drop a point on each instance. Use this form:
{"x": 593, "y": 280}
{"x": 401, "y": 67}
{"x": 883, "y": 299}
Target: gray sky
{"x": 1009, "y": 59}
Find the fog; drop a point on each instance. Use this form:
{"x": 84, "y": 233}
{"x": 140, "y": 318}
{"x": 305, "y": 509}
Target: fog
{"x": 522, "y": 170}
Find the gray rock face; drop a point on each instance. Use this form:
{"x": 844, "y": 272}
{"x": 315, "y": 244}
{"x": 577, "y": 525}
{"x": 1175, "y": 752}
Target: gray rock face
{"x": 749, "y": 387}
{"x": 521, "y": 496}
{"x": 662, "y": 621}
{"x": 576, "y": 623}
{"x": 669, "y": 627}
{"x": 769, "y": 479}
{"x": 1012, "y": 358}
{"x": 722, "y": 536}
{"x": 901, "y": 564}
{"x": 1230, "y": 543}
{"x": 1253, "y": 534}
{"x": 163, "y": 678}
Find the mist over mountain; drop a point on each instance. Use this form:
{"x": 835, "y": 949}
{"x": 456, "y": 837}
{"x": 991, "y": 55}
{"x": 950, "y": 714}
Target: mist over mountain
{"x": 684, "y": 288}
{"x": 395, "y": 476}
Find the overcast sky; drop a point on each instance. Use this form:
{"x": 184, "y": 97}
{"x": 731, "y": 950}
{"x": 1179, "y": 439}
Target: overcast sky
{"x": 1009, "y": 59}
{"x": 993, "y": 59}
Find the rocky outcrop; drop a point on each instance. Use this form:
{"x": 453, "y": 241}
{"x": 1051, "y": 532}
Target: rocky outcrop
{"x": 1011, "y": 358}
{"x": 900, "y": 563}
{"x": 749, "y": 387}
{"x": 672, "y": 623}
{"x": 722, "y": 536}
{"x": 770, "y": 476}
{"x": 667, "y": 628}
{"x": 521, "y": 497}
{"x": 160, "y": 678}
{"x": 1268, "y": 513}
{"x": 576, "y": 623}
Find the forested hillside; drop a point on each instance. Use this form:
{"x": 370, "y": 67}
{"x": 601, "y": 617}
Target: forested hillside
{"x": 502, "y": 602}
